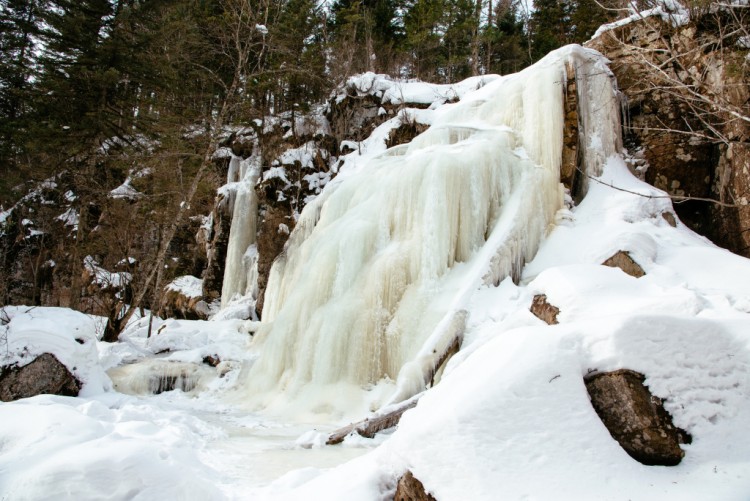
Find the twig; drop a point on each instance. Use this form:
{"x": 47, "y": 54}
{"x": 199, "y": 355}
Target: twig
{"x": 675, "y": 198}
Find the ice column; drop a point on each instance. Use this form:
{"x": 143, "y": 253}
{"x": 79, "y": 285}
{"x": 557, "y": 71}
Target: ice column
{"x": 241, "y": 252}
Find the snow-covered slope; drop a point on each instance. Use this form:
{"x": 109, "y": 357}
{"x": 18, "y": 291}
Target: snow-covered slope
{"x": 510, "y": 418}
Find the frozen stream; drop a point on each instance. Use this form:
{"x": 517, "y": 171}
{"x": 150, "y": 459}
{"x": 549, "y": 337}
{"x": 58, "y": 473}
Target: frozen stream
{"x": 252, "y": 457}
{"x": 246, "y": 450}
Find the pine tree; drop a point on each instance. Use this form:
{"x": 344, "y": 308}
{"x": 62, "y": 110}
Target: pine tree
{"x": 369, "y": 32}
{"x": 506, "y": 40}
{"x": 549, "y": 26}
{"x": 20, "y": 28}
{"x": 424, "y": 27}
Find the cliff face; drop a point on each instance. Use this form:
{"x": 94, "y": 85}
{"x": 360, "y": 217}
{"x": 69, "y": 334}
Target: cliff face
{"x": 688, "y": 109}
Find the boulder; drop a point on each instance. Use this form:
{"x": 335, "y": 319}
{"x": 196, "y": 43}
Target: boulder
{"x": 46, "y": 374}
{"x": 622, "y": 260}
{"x": 543, "y": 310}
{"x": 636, "y": 419}
{"x": 182, "y": 298}
{"x": 411, "y": 489}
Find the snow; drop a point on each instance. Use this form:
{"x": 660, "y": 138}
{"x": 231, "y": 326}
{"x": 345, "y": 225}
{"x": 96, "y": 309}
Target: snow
{"x": 27, "y": 332}
{"x": 669, "y": 11}
{"x": 187, "y": 285}
{"x": 101, "y": 448}
{"x": 125, "y": 190}
{"x": 304, "y": 155}
{"x": 103, "y": 278}
{"x": 510, "y": 416}
{"x": 69, "y": 218}
{"x": 415, "y": 92}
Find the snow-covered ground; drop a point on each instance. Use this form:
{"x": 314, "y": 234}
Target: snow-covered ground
{"x": 509, "y": 419}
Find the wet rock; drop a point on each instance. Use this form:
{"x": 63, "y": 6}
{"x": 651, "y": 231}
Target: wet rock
{"x": 623, "y": 261}
{"x": 543, "y": 310}
{"x": 635, "y": 418}
{"x": 45, "y": 375}
{"x": 411, "y": 489}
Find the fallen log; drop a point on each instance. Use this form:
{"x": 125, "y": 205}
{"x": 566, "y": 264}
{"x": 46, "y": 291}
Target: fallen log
{"x": 381, "y": 420}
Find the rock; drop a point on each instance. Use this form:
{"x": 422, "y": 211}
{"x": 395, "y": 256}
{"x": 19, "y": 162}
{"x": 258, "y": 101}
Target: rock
{"x": 569, "y": 164}
{"x": 623, "y": 261}
{"x": 212, "y": 360}
{"x": 46, "y": 374}
{"x": 635, "y": 418}
{"x": 411, "y": 489}
{"x": 689, "y": 152}
{"x": 216, "y": 243}
{"x": 669, "y": 218}
{"x": 177, "y": 303}
{"x": 543, "y": 310}
{"x": 405, "y": 133}
{"x": 270, "y": 243}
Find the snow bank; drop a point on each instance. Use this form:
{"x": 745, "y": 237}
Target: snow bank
{"x": 112, "y": 448}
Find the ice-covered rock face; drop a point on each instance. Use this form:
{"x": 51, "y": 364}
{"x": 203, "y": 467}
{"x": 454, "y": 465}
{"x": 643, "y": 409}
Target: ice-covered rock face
{"x": 378, "y": 269}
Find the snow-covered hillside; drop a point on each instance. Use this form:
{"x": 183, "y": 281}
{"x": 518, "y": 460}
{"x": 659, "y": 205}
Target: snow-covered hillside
{"x": 397, "y": 246}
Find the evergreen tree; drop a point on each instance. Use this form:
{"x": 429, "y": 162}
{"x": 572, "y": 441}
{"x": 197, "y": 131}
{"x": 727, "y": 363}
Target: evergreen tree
{"x": 369, "y": 31}
{"x": 20, "y": 28}
{"x": 462, "y": 26}
{"x": 425, "y": 31}
{"x": 298, "y": 46}
{"x": 549, "y": 26}
{"x": 506, "y": 40}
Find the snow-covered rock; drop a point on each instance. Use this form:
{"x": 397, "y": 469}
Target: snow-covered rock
{"x": 28, "y": 332}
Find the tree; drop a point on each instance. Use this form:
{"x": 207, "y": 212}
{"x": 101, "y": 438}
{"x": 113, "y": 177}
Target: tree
{"x": 424, "y": 35}
{"x": 366, "y": 35}
{"x": 20, "y": 28}
{"x": 549, "y": 25}
{"x": 506, "y": 51}
{"x": 238, "y": 43}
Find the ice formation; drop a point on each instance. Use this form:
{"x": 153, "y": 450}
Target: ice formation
{"x": 374, "y": 280}
{"x": 241, "y": 261}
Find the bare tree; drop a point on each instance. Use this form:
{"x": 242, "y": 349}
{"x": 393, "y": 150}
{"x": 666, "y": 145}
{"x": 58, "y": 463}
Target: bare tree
{"x": 242, "y": 45}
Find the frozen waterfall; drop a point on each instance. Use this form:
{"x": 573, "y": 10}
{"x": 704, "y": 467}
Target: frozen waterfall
{"x": 374, "y": 280}
{"x": 241, "y": 261}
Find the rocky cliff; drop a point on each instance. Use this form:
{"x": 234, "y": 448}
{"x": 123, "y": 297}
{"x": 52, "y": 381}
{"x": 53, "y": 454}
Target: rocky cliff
{"x": 687, "y": 111}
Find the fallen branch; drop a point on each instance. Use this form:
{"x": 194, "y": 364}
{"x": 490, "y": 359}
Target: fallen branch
{"x": 368, "y": 427}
